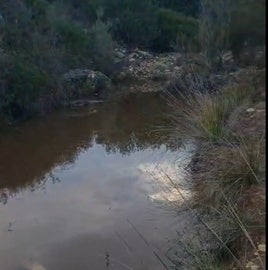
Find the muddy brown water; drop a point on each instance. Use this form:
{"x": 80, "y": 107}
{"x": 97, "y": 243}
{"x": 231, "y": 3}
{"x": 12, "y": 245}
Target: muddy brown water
{"x": 75, "y": 192}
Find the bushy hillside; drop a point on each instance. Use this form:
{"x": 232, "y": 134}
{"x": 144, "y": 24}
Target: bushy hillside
{"x": 40, "y": 40}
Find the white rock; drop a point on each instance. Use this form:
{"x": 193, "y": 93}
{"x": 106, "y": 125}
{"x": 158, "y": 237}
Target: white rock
{"x": 249, "y": 264}
{"x": 249, "y": 110}
{"x": 262, "y": 247}
{"x": 35, "y": 266}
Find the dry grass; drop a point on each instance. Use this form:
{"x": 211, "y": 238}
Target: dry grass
{"x": 228, "y": 177}
{"x": 222, "y": 182}
{"x": 198, "y": 116}
{"x": 230, "y": 168}
{"x": 227, "y": 230}
{"x": 237, "y": 94}
{"x": 203, "y": 114}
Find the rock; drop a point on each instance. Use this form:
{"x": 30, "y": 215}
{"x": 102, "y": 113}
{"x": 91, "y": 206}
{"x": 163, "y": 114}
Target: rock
{"x": 133, "y": 56}
{"x": 249, "y": 264}
{"x": 119, "y": 54}
{"x": 34, "y": 266}
{"x": 87, "y": 80}
{"x": 145, "y": 55}
{"x": 76, "y": 74}
{"x": 250, "y": 110}
{"x": 138, "y": 54}
{"x": 262, "y": 247}
{"x": 177, "y": 69}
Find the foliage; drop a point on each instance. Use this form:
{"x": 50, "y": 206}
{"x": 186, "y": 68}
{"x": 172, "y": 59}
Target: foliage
{"x": 175, "y": 28}
{"x": 74, "y": 42}
{"x": 102, "y": 49}
{"x": 154, "y": 23}
{"x": 23, "y": 85}
{"x": 231, "y": 25}
{"x": 247, "y": 25}
{"x": 215, "y": 20}
{"x": 134, "y": 21}
{"x": 54, "y": 36}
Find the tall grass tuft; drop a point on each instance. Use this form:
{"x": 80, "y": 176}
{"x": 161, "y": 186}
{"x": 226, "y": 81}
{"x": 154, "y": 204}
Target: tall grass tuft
{"x": 199, "y": 115}
{"x": 228, "y": 178}
{"x": 202, "y": 113}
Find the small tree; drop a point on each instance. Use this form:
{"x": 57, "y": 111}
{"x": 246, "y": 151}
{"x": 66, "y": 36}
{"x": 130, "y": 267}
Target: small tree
{"x": 102, "y": 44}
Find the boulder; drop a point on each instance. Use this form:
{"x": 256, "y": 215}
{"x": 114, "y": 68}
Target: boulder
{"x": 86, "y": 81}
{"x": 144, "y": 54}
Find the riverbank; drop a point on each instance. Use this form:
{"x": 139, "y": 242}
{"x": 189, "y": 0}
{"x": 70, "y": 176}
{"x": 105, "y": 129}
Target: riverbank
{"x": 133, "y": 70}
{"x": 224, "y": 111}
{"x": 228, "y": 172}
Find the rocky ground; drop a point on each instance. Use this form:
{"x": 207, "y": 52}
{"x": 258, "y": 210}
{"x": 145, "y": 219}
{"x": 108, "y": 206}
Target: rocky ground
{"x": 142, "y": 71}
{"x": 136, "y": 70}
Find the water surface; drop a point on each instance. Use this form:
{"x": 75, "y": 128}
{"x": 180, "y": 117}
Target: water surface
{"x": 76, "y": 191}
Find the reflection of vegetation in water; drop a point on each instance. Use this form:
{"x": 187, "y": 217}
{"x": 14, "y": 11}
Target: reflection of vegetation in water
{"x": 38, "y": 146}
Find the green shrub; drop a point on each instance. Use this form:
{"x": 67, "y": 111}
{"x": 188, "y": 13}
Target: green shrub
{"x": 175, "y": 28}
{"x": 187, "y": 35}
{"x": 134, "y": 22}
{"x": 24, "y": 84}
{"x": 214, "y": 29}
{"x": 102, "y": 49}
{"x": 247, "y": 25}
{"x": 72, "y": 36}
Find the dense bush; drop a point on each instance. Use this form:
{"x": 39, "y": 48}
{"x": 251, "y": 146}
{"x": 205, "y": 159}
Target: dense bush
{"x": 134, "y": 22}
{"x": 175, "y": 29}
{"x": 233, "y": 25}
{"x": 43, "y": 39}
{"x": 214, "y": 29}
{"x": 247, "y": 25}
{"x": 154, "y": 23}
{"x": 23, "y": 83}
{"x": 102, "y": 49}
